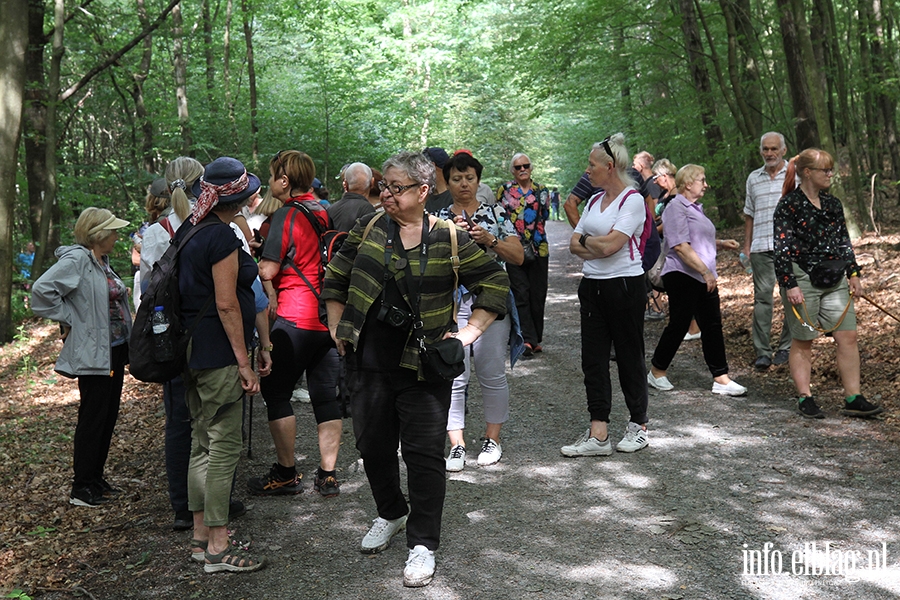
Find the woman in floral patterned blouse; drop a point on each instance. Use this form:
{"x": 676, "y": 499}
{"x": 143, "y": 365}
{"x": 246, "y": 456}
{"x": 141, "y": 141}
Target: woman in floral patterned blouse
{"x": 810, "y": 230}
{"x": 528, "y": 206}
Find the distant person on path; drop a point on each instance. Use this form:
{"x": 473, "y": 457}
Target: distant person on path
{"x": 690, "y": 279}
{"x": 554, "y": 204}
{"x": 817, "y": 273}
{"x": 612, "y": 296}
{"x": 439, "y": 197}
{"x": 25, "y": 261}
{"x": 354, "y": 204}
{"x": 89, "y": 300}
{"x": 763, "y": 193}
{"x": 372, "y": 290}
{"x": 528, "y": 205}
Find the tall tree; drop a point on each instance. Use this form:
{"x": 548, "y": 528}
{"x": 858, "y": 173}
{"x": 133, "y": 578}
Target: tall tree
{"x": 13, "y": 44}
{"x": 180, "y": 68}
{"x": 251, "y": 79}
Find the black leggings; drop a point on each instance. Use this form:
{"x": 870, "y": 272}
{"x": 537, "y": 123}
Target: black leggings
{"x": 295, "y": 351}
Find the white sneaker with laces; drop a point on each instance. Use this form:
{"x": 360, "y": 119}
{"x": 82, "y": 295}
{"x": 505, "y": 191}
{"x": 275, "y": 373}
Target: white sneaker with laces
{"x": 661, "y": 383}
{"x": 588, "y": 446}
{"x": 419, "y": 570}
{"x": 491, "y": 452}
{"x": 457, "y": 459}
{"x": 635, "y": 438}
{"x": 732, "y": 388}
{"x": 379, "y": 536}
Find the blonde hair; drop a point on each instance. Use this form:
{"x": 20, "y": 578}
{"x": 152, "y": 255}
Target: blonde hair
{"x": 664, "y": 165}
{"x": 181, "y": 174}
{"x": 89, "y": 219}
{"x": 616, "y": 145}
{"x": 268, "y": 206}
{"x": 687, "y": 175}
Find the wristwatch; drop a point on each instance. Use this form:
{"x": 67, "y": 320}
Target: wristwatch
{"x": 583, "y": 239}
{"x": 267, "y": 348}
{"x": 494, "y": 243}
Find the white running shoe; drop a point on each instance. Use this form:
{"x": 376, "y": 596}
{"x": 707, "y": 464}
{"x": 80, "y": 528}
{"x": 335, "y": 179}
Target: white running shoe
{"x": 491, "y": 452}
{"x": 662, "y": 383}
{"x": 457, "y": 459}
{"x": 692, "y": 336}
{"x": 379, "y": 536}
{"x": 635, "y": 438}
{"x": 588, "y": 446}
{"x": 419, "y": 570}
{"x": 732, "y": 388}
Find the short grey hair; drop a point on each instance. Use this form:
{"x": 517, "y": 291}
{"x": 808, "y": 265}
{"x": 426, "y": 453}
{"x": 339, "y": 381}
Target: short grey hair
{"x": 620, "y": 160}
{"x": 358, "y": 177}
{"x": 416, "y": 165}
{"x": 516, "y": 157}
{"x": 780, "y": 138}
{"x": 664, "y": 165}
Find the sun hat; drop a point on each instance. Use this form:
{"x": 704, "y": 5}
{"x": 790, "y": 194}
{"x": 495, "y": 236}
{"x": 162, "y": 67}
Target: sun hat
{"x": 226, "y": 170}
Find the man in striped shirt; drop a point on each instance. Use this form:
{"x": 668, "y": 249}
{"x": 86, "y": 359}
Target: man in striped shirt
{"x": 763, "y": 193}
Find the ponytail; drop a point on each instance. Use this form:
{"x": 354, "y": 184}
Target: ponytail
{"x": 181, "y": 174}
{"x": 811, "y": 158}
{"x": 790, "y": 178}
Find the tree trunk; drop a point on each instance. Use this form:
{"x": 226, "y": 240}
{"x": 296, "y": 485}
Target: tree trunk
{"x": 624, "y": 75}
{"x": 804, "y": 113}
{"x": 187, "y": 141}
{"x": 14, "y": 32}
{"x": 226, "y": 74}
{"x": 59, "y": 18}
{"x": 884, "y": 73}
{"x": 251, "y": 75}
{"x": 137, "y": 94}
{"x": 750, "y": 76}
{"x": 210, "y": 55}
{"x": 713, "y": 133}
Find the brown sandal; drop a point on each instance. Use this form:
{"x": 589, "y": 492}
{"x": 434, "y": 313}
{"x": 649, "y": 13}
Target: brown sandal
{"x": 233, "y": 560}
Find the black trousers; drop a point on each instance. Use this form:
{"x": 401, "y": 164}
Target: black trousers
{"x": 391, "y": 407}
{"x": 612, "y": 312}
{"x": 688, "y": 299}
{"x": 97, "y": 415}
{"x": 178, "y": 442}
{"x": 529, "y": 287}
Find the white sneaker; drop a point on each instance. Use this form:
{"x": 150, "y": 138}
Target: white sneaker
{"x": 419, "y": 570}
{"x": 457, "y": 459}
{"x": 662, "y": 383}
{"x": 692, "y": 336}
{"x": 732, "y": 388}
{"x": 588, "y": 446}
{"x": 379, "y": 536}
{"x": 635, "y": 438}
{"x": 300, "y": 395}
{"x": 491, "y": 452}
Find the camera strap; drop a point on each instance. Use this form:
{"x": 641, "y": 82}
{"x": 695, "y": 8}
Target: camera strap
{"x": 412, "y": 285}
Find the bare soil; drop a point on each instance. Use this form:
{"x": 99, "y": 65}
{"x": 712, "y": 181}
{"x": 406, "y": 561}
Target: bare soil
{"x": 677, "y": 520}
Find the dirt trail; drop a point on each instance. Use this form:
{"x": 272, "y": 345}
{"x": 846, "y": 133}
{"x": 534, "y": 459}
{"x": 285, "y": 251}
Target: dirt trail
{"x": 721, "y": 476}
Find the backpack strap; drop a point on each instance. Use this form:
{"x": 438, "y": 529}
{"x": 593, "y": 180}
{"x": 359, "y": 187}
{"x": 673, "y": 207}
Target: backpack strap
{"x": 167, "y": 226}
{"x": 634, "y": 242}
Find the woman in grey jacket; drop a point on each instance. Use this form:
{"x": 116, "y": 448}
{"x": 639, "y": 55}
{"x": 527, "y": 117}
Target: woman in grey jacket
{"x": 86, "y": 296}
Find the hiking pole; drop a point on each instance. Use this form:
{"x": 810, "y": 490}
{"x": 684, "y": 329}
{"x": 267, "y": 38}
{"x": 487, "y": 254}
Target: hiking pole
{"x": 876, "y": 305}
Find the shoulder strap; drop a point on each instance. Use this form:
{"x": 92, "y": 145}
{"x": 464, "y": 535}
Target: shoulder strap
{"x": 167, "y": 226}
{"x": 454, "y": 262}
{"x": 370, "y": 225}
{"x": 634, "y": 241}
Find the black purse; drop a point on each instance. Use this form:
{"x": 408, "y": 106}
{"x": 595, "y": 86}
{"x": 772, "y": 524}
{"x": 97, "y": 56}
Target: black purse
{"x": 530, "y": 254}
{"x": 443, "y": 360}
{"x": 828, "y": 273}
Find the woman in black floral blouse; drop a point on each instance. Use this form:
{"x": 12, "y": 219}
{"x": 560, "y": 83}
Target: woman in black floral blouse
{"x": 810, "y": 239}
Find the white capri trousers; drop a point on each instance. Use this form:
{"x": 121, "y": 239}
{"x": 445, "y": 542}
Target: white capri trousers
{"x": 489, "y": 353}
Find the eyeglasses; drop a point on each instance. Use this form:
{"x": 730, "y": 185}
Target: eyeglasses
{"x": 520, "y": 167}
{"x": 826, "y": 171}
{"x": 606, "y": 148}
{"x": 395, "y": 189}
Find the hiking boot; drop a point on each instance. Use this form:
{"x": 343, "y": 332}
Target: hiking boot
{"x": 457, "y": 460}
{"x": 588, "y": 446}
{"x": 379, "y": 536}
{"x": 327, "y": 486}
{"x": 419, "y": 570}
{"x": 860, "y": 407}
{"x": 781, "y": 357}
{"x": 87, "y": 496}
{"x": 184, "y": 520}
{"x": 490, "y": 452}
{"x": 236, "y": 509}
{"x": 273, "y": 485}
{"x": 762, "y": 363}
{"x": 808, "y": 408}
{"x": 635, "y": 438}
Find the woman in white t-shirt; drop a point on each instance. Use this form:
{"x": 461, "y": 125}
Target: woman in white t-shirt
{"x": 612, "y": 295}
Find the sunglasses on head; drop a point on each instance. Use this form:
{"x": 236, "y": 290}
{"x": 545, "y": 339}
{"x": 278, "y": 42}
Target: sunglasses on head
{"x": 520, "y": 167}
{"x": 606, "y": 148}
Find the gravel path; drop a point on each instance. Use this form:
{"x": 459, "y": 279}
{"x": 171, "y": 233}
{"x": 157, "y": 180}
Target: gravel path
{"x": 720, "y": 477}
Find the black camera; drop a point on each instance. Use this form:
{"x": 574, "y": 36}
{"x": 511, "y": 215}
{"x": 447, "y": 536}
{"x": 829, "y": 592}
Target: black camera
{"x": 395, "y": 317}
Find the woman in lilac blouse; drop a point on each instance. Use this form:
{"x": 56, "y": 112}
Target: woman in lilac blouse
{"x": 690, "y": 279}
